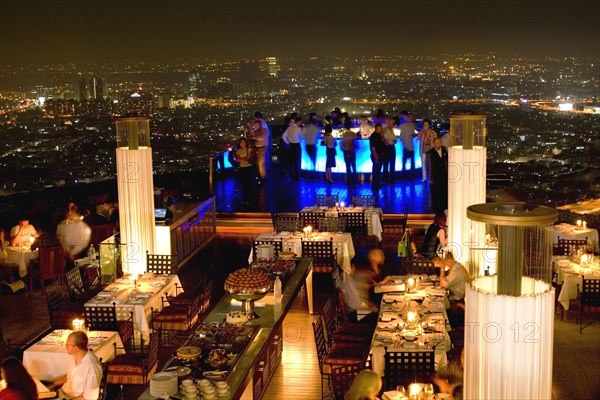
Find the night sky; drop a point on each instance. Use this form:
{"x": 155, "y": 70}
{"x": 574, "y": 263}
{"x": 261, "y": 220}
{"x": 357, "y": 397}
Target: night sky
{"x": 90, "y": 31}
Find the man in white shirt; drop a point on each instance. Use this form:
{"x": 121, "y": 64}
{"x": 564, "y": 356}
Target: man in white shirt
{"x": 82, "y": 381}
{"x": 21, "y": 234}
{"x": 292, "y": 137}
{"x": 74, "y": 235}
{"x": 365, "y": 128}
{"x": 312, "y": 133}
{"x": 455, "y": 278}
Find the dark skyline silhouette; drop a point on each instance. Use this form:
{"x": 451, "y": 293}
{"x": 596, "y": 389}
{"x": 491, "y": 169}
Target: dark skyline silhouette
{"x": 82, "y": 31}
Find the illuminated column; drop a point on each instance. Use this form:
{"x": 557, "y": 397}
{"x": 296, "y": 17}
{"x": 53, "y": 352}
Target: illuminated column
{"x": 466, "y": 186}
{"x": 136, "y": 192}
{"x": 509, "y": 317}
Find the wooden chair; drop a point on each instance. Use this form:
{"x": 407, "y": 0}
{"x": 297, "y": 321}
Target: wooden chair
{"x": 341, "y": 333}
{"x": 311, "y": 218}
{"x": 588, "y": 301}
{"x": 51, "y": 265}
{"x": 326, "y": 201}
{"x": 363, "y": 201}
{"x": 277, "y": 244}
{"x": 322, "y": 252}
{"x": 342, "y": 378}
{"x": 177, "y": 318}
{"x": 101, "y": 232}
{"x": 287, "y": 223}
{"x": 421, "y": 266}
{"x": 406, "y": 367}
{"x": 329, "y": 358}
{"x": 103, "y": 383}
{"x": 355, "y": 222}
{"x": 161, "y": 263}
{"x": 61, "y": 311}
{"x": 394, "y": 229}
{"x": 332, "y": 224}
{"x": 564, "y": 246}
{"x": 134, "y": 368}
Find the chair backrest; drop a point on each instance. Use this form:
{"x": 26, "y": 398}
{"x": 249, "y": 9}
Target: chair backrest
{"x": 363, "y": 201}
{"x": 55, "y": 294}
{"x": 326, "y": 201}
{"x": 101, "y": 318}
{"x": 342, "y": 378}
{"x": 421, "y": 266}
{"x": 329, "y": 316}
{"x": 406, "y": 367}
{"x": 566, "y": 245}
{"x": 277, "y": 244}
{"x": 321, "y": 252}
{"x": 590, "y": 295}
{"x": 311, "y": 218}
{"x": 355, "y": 222}
{"x": 101, "y": 232}
{"x": 126, "y": 332}
{"x": 153, "y": 349}
{"x": 161, "y": 263}
{"x": 332, "y": 224}
{"x": 285, "y": 223}
{"x": 320, "y": 341}
{"x": 52, "y": 262}
{"x": 102, "y": 391}
{"x": 75, "y": 282}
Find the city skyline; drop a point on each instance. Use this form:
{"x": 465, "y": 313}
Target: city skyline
{"x": 38, "y": 33}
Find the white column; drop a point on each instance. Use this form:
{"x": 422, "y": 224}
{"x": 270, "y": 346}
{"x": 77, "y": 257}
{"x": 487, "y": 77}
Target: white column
{"x": 136, "y": 206}
{"x": 508, "y": 341}
{"x": 466, "y": 186}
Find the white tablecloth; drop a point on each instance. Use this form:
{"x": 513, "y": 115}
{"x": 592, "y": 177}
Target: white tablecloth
{"x": 342, "y": 242}
{"x": 48, "y": 360}
{"x": 22, "y": 258}
{"x": 568, "y": 231}
{"x": 148, "y": 296}
{"x": 373, "y": 217}
{"x": 569, "y": 275}
{"x": 432, "y": 310}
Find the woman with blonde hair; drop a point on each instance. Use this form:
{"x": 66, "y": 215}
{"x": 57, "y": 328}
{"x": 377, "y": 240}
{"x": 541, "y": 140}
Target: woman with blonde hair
{"x": 366, "y": 386}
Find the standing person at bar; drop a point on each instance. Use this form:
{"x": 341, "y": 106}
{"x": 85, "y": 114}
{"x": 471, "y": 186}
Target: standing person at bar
{"x": 377, "y": 149}
{"x": 426, "y": 138}
{"x": 329, "y": 143}
{"x": 292, "y": 137}
{"x": 243, "y": 156}
{"x": 349, "y": 149}
{"x": 407, "y": 132}
{"x": 312, "y": 133}
{"x": 365, "y": 128}
{"x": 261, "y": 141}
{"x": 438, "y": 176}
{"x": 389, "y": 158}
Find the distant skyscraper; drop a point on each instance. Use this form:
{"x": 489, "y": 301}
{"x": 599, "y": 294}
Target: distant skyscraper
{"x": 272, "y": 68}
{"x": 96, "y": 88}
{"x": 193, "y": 83}
{"x": 360, "y": 68}
{"x": 83, "y": 89}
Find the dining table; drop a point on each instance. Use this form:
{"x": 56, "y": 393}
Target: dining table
{"x": 48, "y": 360}
{"x": 574, "y": 232}
{"x": 21, "y": 256}
{"x": 428, "y": 322}
{"x": 292, "y": 241}
{"x": 570, "y": 274}
{"x": 138, "y": 296}
{"x": 373, "y": 216}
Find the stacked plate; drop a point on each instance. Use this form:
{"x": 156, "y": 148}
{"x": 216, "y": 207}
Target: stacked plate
{"x": 163, "y": 383}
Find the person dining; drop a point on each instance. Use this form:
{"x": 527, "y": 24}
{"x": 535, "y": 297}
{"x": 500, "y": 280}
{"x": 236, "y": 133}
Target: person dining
{"x": 82, "y": 380}
{"x": 455, "y": 278}
{"x": 19, "y": 385}
{"x": 365, "y": 386}
{"x": 22, "y": 233}
{"x": 436, "y": 237}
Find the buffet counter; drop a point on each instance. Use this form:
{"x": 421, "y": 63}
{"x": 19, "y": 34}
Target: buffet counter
{"x": 250, "y": 375}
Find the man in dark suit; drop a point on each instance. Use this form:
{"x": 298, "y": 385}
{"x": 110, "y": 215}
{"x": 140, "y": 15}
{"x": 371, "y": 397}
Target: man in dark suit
{"x": 438, "y": 176}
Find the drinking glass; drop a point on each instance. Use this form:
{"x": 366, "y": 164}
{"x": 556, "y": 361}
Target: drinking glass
{"x": 400, "y": 392}
{"x": 428, "y": 390}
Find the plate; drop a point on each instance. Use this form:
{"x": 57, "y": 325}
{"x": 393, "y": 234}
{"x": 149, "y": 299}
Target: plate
{"x": 180, "y": 371}
{"x": 214, "y": 374}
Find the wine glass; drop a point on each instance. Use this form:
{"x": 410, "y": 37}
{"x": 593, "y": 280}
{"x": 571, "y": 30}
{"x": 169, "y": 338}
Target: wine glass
{"x": 428, "y": 390}
{"x": 400, "y": 392}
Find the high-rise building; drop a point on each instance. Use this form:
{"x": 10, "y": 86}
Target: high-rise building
{"x": 83, "y": 89}
{"x": 96, "y": 88}
{"x": 193, "y": 83}
{"x": 272, "y": 68}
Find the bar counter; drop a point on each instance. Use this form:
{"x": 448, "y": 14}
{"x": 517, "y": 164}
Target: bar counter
{"x": 250, "y": 375}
